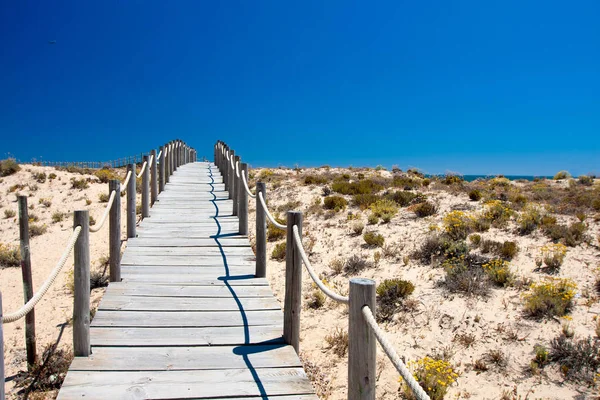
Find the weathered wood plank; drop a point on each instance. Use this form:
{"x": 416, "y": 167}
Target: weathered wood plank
{"x": 244, "y": 280}
{"x": 238, "y": 335}
{"x": 180, "y": 304}
{"x": 203, "y": 318}
{"x": 190, "y": 251}
{"x": 190, "y": 260}
{"x": 260, "y": 289}
{"x": 186, "y": 358}
{"x": 185, "y": 384}
{"x": 182, "y": 242}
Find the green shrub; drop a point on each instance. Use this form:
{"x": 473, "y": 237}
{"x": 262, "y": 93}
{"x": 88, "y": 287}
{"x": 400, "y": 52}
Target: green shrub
{"x": 405, "y": 182}
{"x": 475, "y": 195}
{"x": 45, "y": 202}
{"x": 384, "y": 207}
{"x": 562, "y": 175}
{"x": 390, "y": 294}
{"x": 579, "y": 360}
{"x": 585, "y": 180}
{"x": 52, "y": 176}
{"x": 105, "y": 174}
{"x": 103, "y": 197}
{"x": 58, "y": 216}
{"x": 475, "y": 239}
{"x": 553, "y": 255}
{"x": 336, "y": 203}
{"x": 509, "y": 250}
{"x": 435, "y": 376}
{"x": 373, "y": 239}
{"x": 40, "y": 177}
{"x": 372, "y": 219}
{"x": 457, "y": 225}
{"x": 274, "y": 233}
{"x": 8, "y": 167}
{"x": 8, "y": 213}
{"x": 10, "y": 256}
{"x": 37, "y": 230}
{"x": 530, "y": 219}
{"x": 356, "y": 264}
{"x": 364, "y": 201}
{"x": 571, "y": 235}
{"x": 79, "y": 183}
{"x": 314, "y": 180}
{"x": 450, "y": 179}
{"x": 358, "y": 227}
{"x": 466, "y": 275}
{"x": 549, "y": 298}
{"x": 402, "y": 198}
{"x": 278, "y": 252}
{"x": 316, "y": 299}
{"x": 364, "y": 186}
{"x": 425, "y": 209}
{"x": 499, "y": 272}
{"x": 497, "y": 212}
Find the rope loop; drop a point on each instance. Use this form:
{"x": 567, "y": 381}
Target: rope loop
{"x": 246, "y": 186}
{"x": 142, "y": 170}
{"x": 268, "y": 214}
{"x": 111, "y": 200}
{"x": 331, "y": 294}
{"x": 124, "y": 185}
{"x": 27, "y": 307}
{"x": 393, "y": 356}
{"x": 237, "y": 169}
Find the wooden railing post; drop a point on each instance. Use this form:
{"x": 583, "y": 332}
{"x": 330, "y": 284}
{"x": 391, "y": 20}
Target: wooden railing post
{"x": 215, "y": 152}
{"x": 226, "y": 168}
{"x": 172, "y": 160}
{"x": 27, "y": 280}
{"x": 161, "y": 169}
{"x": 167, "y": 161}
{"x": 81, "y": 302}
{"x": 231, "y": 174}
{"x": 146, "y": 188}
{"x": 153, "y": 177}
{"x": 131, "y": 202}
{"x": 361, "y": 341}
{"x": 261, "y": 232}
{"x": 2, "y": 374}
{"x": 235, "y": 186}
{"x": 175, "y": 155}
{"x": 293, "y": 284}
{"x": 243, "y": 201}
{"x": 114, "y": 237}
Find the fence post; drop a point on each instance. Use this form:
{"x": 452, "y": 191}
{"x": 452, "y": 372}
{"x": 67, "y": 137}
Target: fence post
{"x": 293, "y": 284}
{"x": 231, "y": 174}
{"x": 27, "y": 280}
{"x": 176, "y": 156}
{"x": 235, "y": 186}
{"x": 261, "y": 232}
{"x": 153, "y": 177}
{"x": 2, "y": 377}
{"x": 243, "y": 201}
{"x": 114, "y": 237}
{"x": 161, "y": 170}
{"x": 226, "y": 168}
{"x": 215, "y": 151}
{"x": 146, "y": 188}
{"x": 81, "y": 302}
{"x": 131, "y": 202}
{"x": 361, "y": 341}
{"x": 172, "y": 158}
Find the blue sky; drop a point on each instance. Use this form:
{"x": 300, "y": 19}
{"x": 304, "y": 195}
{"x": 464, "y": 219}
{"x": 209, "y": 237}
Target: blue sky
{"x": 473, "y": 87}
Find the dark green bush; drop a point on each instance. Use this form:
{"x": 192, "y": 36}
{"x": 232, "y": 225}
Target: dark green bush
{"x": 509, "y": 250}
{"x": 336, "y": 203}
{"x": 405, "y": 182}
{"x": 402, "y": 198}
{"x": 467, "y": 275}
{"x": 579, "y": 360}
{"x": 373, "y": 239}
{"x": 10, "y": 256}
{"x": 450, "y": 179}
{"x": 8, "y": 167}
{"x": 274, "y": 233}
{"x": 79, "y": 183}
{"x": 364, "y": 186}
{"x": 39, "y": 177}
{"x": 475, "y": 195}
{"x": 356, "y": 264}
{"x": 278, "y": 252}
{"x": 425, "y": 209}
{"x": 314, "y": 180}
{"x": 390, "y": 294}
{"x": 364, "y": 201}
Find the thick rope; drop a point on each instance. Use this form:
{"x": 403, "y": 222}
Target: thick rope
{"x": 124, "y": 185}
{"x": 27, "y": 307}
{"x": 166, "y": 151}
{"x": 142, "y": 170}
{"x": 151, "y": 159}
{"x": 393, "y": 356}
{"x": 237, "y": 169}
{"x": 231, "y": 159}
{"x": 159, "y": 154}
{"x": 99, "y": 226}
{"x": 246, "y": 186}
{"x": 315, "y": 278}
{"x": 268, "y": 214}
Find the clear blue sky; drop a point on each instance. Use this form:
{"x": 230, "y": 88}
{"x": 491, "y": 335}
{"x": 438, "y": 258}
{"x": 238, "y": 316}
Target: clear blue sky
{"x": 507, "y": 87}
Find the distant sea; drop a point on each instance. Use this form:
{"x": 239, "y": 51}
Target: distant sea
{"x": 470, "y": 178}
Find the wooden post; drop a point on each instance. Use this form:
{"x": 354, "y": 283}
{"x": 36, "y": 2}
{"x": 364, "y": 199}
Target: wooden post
{"x": 2, "y": 374}
{"x": 226, "y": 168}
{"x": 27, "y": 280}
{"x": 114, "y": 237}
{"x": 172, "y": 159}
{"x": 261, "y": 232}
{"x": 235, "y": 186}
{"x": 231, "y": 174}
{"x": 293, "y": 284}
{"x": 243, "y": 201}
{"x": 131, "y": 202}
{"x": 167, "y": 161}
{"x": 161, "y": 170}
{"x": 146, "y": 188}
{"x": 81, "y": 302}
{"x": 361, "y": 341}
{"x": 153, "y": 177}
{"x": 176, "y": 156}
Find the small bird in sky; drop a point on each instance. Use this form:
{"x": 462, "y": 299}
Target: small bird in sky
{"x": 51, "y": 41}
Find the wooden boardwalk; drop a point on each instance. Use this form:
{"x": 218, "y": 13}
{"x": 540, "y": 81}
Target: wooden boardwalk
{"x": 189, "y": 319}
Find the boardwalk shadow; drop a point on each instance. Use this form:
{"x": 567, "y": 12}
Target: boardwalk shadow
{"x": 243, "y": 351}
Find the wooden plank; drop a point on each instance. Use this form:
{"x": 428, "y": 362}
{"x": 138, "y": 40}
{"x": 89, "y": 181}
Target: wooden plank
{"x": 180, "y": 304}
{"x": 237, "y": 335}
{"x": 190, "y": 251}
{"x": 218, "y": 272}
{"x": 123, "y": 289}
{"x": 198, "y": 319}
{"x": 185, "y": 384}
{"x": 190, "y": 260}
{"x": 182, "y": 242}
{"x": 186, "y": 358}
{"x": 191, "y": 280}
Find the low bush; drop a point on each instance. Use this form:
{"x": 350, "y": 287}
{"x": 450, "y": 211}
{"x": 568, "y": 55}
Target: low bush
{"x": 358, "y": 227}
{"x": 457, "y": 225}
{"x": 509, "y": 250}
{"x": 316, "y": 299}
{"x": 390, "y": 294}
{"x": 585, "y": 180}
{"x": 45, "y": 202}
{"x": 336, "y": 203}
{"x": 579, "y": 360}
{"x": 314, "y": 180}
{"x": 402, "y": 198}
{"x": 58, "y": 217}
{"x": 475, "y": 239}
{"x": 37, "y": 230}
{"x": 571, "y": 235}
{"x": 8, "y": 167}
{"x": 47, "y": 374}
{"x": 384, "y": 208}
{"x": 475, "y": 195}
{"x": 424, "y": 209}
{"x": 52, "y": 176}
{"x": 372, "y": 219}
{"x": 465, "y": 274}
{"x": 562, "y": 175}
{"x": 364, "y": 201}
{"x": 274, "y": 233}
{"x": 10, "y": 256}
{"x": 373, "y": 239}
{"x": 498, "y": 212}
{"x": 79, "y": 183}
{"x": 530, "y": 219}
{"x": 40, "y": 177}
{"x": 337, "y": 265}
{"x": 435, "y": 376}
{"x": 549, "y": 298}
{"x": 8, "y": 213}
{"x": 356, "y": 264}
{"x": 278, "y": 252}
{"x": 103, "y": 197}
{"x": 338, "y": 342}
{"x": 553, "y": 255}
{"x": 105, "y": 174}
{"x": 405, "y": 182}
{"x": 499, "y": 272}
{"x": 450, "y": 179}
{"x": 364, "y": 186}
{"x": 98, "y": 279}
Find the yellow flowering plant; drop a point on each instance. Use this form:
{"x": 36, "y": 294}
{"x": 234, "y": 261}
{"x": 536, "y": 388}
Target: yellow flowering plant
{"x": 554, "y": 254}
{"x": 434, "y": 376}
{"x": 550, "y": 297}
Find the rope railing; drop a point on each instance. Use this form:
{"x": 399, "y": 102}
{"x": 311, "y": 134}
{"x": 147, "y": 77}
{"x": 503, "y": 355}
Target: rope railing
{"x": 125, "y": 182}
{"x": 142, "y": 169}
{"x": 246, "y": 186}
{"x": 393, "y": 356}
{"x": 268, "y": 214}
{"x": 237, "y": 169}
{"x": 330, "y": 293}
{"x": 100, "y": 224}
{"x": 27, "y": 307}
